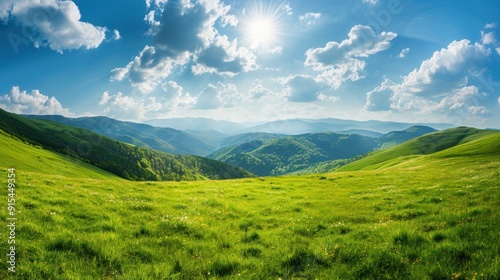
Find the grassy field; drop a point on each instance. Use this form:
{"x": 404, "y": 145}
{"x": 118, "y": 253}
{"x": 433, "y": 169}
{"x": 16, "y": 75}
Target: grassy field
{"x": 426, "y": 217}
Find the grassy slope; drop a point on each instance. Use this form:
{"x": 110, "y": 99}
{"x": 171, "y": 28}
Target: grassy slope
{"x": 113, "y": 156}
{"x": 37, "y": 160}
{"x": 162, "y": 139}
{"x": 438, "y": 219}
{"x": 427, "y": 144}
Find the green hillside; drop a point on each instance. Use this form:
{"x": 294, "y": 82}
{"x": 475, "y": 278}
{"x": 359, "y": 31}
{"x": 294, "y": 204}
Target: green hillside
{"x": 307, "y": 153}
{"x": 450, "y": 141}
{"x": 124, "y": 160}
{"x": 434, "y": 216}
{"x": 33, "y": 158}
{"x": 162, "y": 139}
{"x": 289, "y": 154}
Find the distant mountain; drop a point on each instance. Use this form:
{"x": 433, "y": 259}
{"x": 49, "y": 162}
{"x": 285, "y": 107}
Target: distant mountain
{"x": 200, "y": 124}
{"x": 397, "y": 137}
{"x": 307, "y": 153}
{"x": 288, "y": 154}
{"x": 302, "y": 126}
{"x": 446, "y": 144}
{"x": 247, "y": 137}
{"x": 162, "y": 139}
{"x": 361, "y": 132}
{"x": 288, "y": 126}
{"x": 124, "y": 160}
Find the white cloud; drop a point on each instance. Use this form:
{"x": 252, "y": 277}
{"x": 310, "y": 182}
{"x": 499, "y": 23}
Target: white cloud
{"x": 439, "y": 85}
{"x": 217, "y": 96}
{"x": 339, "y": 62}
{"x": 447, "y": 69}
{"x": 140, "y": 108}
{"x": 498, "y": 50}
{"x": 310, "y": 19}
{"x": 301, "y": 88}
{"x": 286, "y": 8}
{"x": 490, "y": 25}
{"x": 379, "y": 98}
{"x": 149, "y": 67}
{"x": 176, "y": 97}
{"x": 54, "y": 23}
{"x": 128, "y": 108}
{"x": 488, "y": 38}
{"x": 116, "y": 35}
{"x": 184, "y": 32}
{"x": 21, "y": 102}
{"x": 258, "y": 90}
{"x": 463, "y": 99}
{"x": 498, "y": 100}
{"x": 225, "y": 58}
{"x": 371, "y": 2}
{"x": 404, "y": 52}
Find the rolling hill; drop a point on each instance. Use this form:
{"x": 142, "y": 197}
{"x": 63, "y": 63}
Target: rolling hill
{"x": 463, "y": 141}
{"x": 288, "y": 154}
{"x": 122, "y": 159}
{"x": 307, "y": 153}
{"x": 433, "y": 215}
{"x": 168, "y": 140}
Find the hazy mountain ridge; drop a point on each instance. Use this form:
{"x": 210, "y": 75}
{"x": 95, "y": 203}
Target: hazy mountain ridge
{"x": 289, "y": 126}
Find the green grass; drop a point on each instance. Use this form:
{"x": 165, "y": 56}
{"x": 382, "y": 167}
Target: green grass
{"x": 435, "y": 217}
{"x": 428, "y": 144}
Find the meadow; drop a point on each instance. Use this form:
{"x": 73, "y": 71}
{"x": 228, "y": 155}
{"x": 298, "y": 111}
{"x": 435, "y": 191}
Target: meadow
{"x": 427, "y": 217}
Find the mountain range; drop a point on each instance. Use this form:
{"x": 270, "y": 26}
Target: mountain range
{"x": 295, "y": 154}
{"x": 290, "y": 126}
{"x": 125, "y": 160}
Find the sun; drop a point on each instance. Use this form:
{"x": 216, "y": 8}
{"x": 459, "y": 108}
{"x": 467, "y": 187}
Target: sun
{"x": 262, "y": 25}
{"x": 261, "y": 31}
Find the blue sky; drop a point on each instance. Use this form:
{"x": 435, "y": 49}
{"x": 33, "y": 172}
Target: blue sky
{"x": 397, "y": 60}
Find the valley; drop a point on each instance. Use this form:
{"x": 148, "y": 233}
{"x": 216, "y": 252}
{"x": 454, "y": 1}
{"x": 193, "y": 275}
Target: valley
{"x": 425, "y": 209}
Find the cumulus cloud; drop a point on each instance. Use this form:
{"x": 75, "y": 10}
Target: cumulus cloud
{"x": 22, "y": 102}
{"x": 125, "y": 107}
{"x": 116, "y": 35}
{"x": 447, "y": 69}
{"x": 184, "y": 32}
{"x": 301, "y": 88}
{"x": 310, "y": 19}
{"x": 488, "y": 38}
{"x": 217, "y": 96}
{"x": 340, "y": 62}
{"x": 286, "y": 8}
{"x": 379, "y": 98}
{"x": 258, "y": 90}
{"x": 404, "y": 52}
{"x": 225, "y": 58}
{"x": 175, "y": 96}
{"x": 498, "y": 100}
{"x": 490, "y": 25}
{"x": 147, "y": 69}
{"x": 371, "y": 2}
{"x": 440, "y": 84}
{"x": 53, "y": 23}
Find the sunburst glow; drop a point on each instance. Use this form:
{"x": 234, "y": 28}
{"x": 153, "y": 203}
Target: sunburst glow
{"x": 262, "y": 25}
